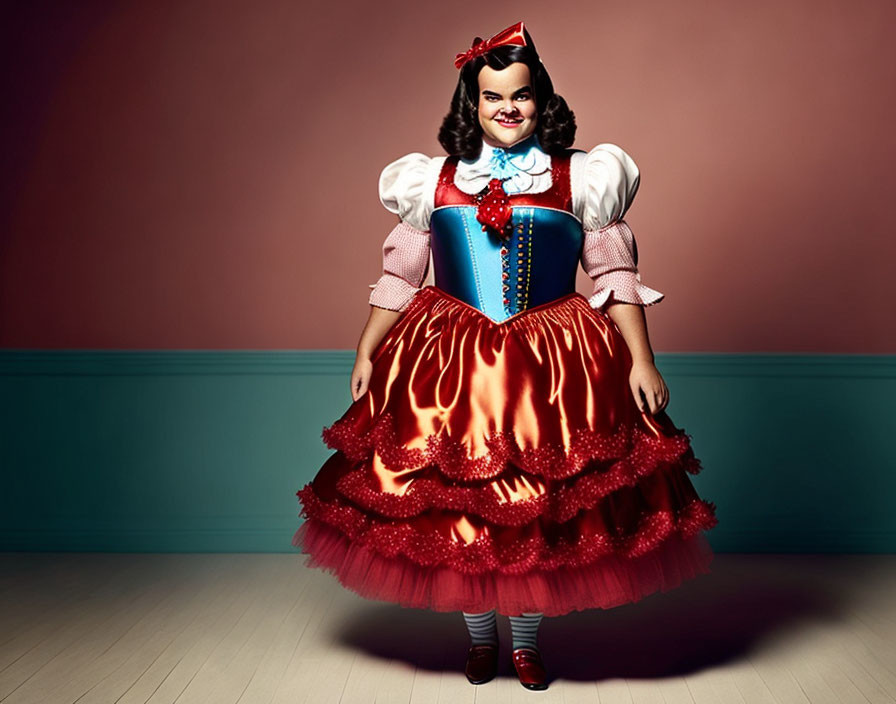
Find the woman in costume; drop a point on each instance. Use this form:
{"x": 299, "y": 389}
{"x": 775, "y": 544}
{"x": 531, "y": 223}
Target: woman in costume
{"x": 507, "y": 450}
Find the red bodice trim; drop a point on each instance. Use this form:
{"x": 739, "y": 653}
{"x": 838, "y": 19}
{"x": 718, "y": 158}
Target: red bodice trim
{"x": 558, "y": 196}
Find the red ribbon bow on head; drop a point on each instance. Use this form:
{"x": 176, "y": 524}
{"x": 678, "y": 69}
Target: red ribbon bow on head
{"x": 511, "y": 35}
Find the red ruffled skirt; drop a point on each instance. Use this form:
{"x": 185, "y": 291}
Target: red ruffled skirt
{"x": 504, "y": 465}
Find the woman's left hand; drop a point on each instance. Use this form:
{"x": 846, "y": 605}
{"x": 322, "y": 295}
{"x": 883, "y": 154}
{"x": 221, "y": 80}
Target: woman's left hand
{"x": 648, "y": 387}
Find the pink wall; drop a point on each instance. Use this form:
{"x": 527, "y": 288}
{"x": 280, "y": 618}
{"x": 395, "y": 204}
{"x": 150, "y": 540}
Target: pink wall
{"x": 203, "y": 175}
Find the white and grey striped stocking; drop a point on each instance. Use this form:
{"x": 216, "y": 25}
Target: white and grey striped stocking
{"x": 483, "y": 627}
{"x": 525, "y": 630}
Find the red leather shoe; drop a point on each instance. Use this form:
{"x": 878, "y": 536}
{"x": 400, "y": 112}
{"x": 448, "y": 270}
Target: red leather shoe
{"x": 482, "y": 663}
{"x": 530, "y": 668}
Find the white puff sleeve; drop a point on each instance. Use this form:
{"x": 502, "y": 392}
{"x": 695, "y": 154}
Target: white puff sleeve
{"x": 604, "y": 182}
{"x": 407, "y": 188}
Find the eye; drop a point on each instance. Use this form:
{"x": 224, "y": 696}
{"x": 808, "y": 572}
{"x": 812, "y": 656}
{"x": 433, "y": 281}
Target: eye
{"x": 491, "y": 98}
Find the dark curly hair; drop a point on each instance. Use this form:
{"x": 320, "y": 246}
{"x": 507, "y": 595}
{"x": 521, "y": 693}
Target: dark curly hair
{"x": 461, "y": 134}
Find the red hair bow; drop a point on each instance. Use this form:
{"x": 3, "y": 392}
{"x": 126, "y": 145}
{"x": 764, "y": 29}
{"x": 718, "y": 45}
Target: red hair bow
{"x": 511, "y": 35}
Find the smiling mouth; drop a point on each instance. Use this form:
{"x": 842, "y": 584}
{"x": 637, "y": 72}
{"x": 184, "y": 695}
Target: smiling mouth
{"x": 508, "y": 122}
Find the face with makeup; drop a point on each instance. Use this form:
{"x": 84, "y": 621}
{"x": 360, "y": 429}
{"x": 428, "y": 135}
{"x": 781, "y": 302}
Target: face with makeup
{"x": 506, "y": 106}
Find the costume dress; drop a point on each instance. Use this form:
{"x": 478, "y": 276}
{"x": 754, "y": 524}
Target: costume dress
{"x": 498, "y": 458}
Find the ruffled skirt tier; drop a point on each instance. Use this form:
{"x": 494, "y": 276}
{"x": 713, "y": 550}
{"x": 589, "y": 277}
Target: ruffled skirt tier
{"x": 504, "y": 465}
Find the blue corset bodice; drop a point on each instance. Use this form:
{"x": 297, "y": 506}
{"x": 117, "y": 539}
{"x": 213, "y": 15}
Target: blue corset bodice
{"x": 536, "y": 264}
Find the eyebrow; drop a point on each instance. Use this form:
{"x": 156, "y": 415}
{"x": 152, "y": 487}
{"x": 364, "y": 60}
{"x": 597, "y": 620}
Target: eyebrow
{"x": 524, "y": 89}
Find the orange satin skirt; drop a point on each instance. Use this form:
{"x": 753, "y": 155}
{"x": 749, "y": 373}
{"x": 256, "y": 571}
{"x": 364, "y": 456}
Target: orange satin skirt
{"x": 507, "y": 466}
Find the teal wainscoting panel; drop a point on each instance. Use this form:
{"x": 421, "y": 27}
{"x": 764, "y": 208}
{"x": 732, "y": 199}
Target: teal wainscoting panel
{"x": 203, "y": 450}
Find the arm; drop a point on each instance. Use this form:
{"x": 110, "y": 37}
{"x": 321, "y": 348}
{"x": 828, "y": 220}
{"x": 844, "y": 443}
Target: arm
{"x": 405, "y": 263}
{"x": 645, "y": 381}
{"x": 406, "y": 189}
{"x": 604, "y": 183}
{"x": 378, "y": 324}
{"x": 610, "y": 258}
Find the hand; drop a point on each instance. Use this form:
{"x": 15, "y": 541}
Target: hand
{"x": 360, "y": 376}
{"x": 645, "y": 379}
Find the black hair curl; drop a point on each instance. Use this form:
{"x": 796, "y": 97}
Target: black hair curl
{"x": 461, "y": 134}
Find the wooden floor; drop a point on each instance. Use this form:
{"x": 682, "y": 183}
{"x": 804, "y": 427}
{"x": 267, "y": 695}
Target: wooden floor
{"x": 218, "y": 628}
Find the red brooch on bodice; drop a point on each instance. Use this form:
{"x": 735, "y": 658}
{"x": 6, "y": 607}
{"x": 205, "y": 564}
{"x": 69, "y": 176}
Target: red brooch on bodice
{"x": 494, "y": 210}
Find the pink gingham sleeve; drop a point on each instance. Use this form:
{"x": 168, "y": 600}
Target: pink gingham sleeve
{"x": 610, "y": 257}
{"x": 405, "y": 264}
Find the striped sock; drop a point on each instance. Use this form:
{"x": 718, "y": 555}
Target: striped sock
{"x": 525, "y": 630}
{"x": 483, "y": 627}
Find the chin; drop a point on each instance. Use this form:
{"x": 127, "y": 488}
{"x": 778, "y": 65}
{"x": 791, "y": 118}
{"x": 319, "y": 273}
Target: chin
{"x": 508, "y": 140}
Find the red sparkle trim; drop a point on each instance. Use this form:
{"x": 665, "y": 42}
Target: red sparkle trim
{"x": 550, "y": 462}
{"x": 517, "y": 557}
{"x": 559, "y": 504}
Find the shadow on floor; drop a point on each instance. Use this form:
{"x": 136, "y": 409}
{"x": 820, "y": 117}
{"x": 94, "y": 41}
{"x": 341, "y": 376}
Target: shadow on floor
{"x": 710, "y": 620}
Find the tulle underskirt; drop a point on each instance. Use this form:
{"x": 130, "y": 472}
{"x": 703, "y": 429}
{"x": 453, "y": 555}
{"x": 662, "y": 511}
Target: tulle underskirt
{"x": 607, "y": 583}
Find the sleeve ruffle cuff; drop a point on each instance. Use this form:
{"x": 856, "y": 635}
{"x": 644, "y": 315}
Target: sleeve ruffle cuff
{"x": 622, "y": 287}
{"x": 392, "y": 292}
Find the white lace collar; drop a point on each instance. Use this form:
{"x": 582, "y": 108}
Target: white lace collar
{"x": 525, "y": 165}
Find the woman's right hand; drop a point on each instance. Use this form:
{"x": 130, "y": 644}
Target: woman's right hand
{"x": 378, "y": 324}
{"x": 361, "y": 376}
